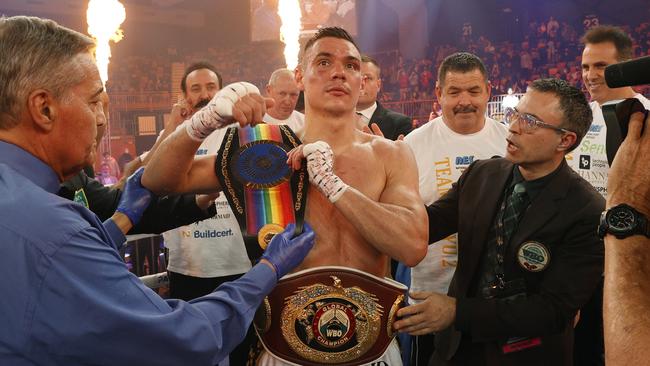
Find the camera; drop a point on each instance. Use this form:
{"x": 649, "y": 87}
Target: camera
{"x": 617, "y": 113}
{"x": 617, "y": 118}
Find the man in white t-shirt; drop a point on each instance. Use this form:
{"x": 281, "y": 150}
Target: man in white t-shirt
{"x": 604, "y": 45}
{"x": 207, "y": 253}
{"x": 282, "y": 87}
{"x": 443, "y": 148}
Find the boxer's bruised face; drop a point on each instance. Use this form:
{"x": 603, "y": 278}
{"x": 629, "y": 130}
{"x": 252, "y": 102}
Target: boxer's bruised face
{"x": 202, "y": 85}
{"x": 330, "y": 76}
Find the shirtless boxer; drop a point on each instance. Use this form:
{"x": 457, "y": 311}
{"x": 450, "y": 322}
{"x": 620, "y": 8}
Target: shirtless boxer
{"x": 363, "y": 201}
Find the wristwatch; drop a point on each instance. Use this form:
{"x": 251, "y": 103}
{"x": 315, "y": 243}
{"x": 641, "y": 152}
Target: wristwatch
{"x": 623, "y": 221}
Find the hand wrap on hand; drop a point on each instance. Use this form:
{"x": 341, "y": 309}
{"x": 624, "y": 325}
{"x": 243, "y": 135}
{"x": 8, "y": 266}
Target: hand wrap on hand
{"x": 218, "y": 113}
{"x": 320, "y": 165}
{"x": 285, "y": 253}
{"x": 135, "y": 198}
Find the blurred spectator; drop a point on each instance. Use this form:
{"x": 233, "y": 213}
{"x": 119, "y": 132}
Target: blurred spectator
{"x": 105, "y": 176}
{"x": 111, "y": 163}
{"x": 552, "y": 27}
{"x": 124, "y": 159}
{"x": 266, "y": 24}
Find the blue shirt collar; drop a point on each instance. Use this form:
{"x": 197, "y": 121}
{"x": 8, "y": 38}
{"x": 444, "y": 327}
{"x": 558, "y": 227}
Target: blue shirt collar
{"x": 29, "y": 166}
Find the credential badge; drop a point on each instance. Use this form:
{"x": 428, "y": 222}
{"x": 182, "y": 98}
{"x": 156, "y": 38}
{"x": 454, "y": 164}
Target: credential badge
{"x": 533, "y": 256}
{"x": 80, "y": 197}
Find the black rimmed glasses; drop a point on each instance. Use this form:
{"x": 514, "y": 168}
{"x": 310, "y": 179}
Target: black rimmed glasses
{"x": 528, "y": 123}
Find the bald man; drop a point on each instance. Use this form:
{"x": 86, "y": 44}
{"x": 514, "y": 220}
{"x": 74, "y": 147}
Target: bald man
{"x": 282, "y": 87}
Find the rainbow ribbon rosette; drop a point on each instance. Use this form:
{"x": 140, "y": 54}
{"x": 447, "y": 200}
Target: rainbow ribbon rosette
{"x": 265, "y": 194}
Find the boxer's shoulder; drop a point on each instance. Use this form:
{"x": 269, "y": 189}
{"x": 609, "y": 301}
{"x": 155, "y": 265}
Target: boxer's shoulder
{"x": 385, "y": 148}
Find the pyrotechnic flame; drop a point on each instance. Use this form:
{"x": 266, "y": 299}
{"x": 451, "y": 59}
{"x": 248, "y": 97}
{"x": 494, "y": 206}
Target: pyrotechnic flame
{"x": 104, "y": 19}
{"x": 289, "y": 12}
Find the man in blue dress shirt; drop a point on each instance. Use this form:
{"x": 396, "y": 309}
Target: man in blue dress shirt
{"x": 68, "y": 296}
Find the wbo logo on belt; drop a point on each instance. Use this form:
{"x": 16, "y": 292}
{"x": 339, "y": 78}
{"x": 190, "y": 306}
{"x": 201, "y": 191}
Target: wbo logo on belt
{"x": 329, "y": 315}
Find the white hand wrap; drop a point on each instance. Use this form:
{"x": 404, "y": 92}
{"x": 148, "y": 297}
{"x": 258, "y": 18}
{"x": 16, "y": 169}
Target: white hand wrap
{"x": 320, "y": 165}
{"x": 218, "y": 113}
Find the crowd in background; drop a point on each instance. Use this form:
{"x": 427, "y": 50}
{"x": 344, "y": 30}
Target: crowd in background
{"x": 550, "y": 48}
{"x": 251, "y": 62}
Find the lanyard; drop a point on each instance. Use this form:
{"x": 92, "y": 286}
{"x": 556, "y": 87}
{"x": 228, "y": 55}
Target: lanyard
{"x": 501, "y": 240}
{"x": 501, "y": 247}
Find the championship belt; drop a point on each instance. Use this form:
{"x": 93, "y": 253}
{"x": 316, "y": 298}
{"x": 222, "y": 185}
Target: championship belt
{"x": 329, "y": 315}
{"x": 264, "y": 193}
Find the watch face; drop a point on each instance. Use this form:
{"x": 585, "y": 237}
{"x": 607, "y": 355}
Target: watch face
{"x": 621, "y": 220}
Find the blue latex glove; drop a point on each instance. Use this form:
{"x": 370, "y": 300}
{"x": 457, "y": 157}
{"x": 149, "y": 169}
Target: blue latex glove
{"x": 135, "y": 198}
{"x": 285, "y": 253}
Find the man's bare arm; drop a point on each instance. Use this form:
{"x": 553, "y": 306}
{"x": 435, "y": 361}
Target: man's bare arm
{"x": 180, "y": 112}
{"x": 397, "y": 224}
{"x": 173, "y": 168}
{"x": 626, "y": 311}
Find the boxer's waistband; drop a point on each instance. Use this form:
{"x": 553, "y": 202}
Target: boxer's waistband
{"x": 329, "y": 315}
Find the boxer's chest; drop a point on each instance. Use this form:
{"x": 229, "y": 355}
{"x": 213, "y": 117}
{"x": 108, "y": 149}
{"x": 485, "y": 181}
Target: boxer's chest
{"x": 363, "y": 172}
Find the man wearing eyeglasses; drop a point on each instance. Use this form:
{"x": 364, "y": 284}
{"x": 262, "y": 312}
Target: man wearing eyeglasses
{"x": 528, "y": 253}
